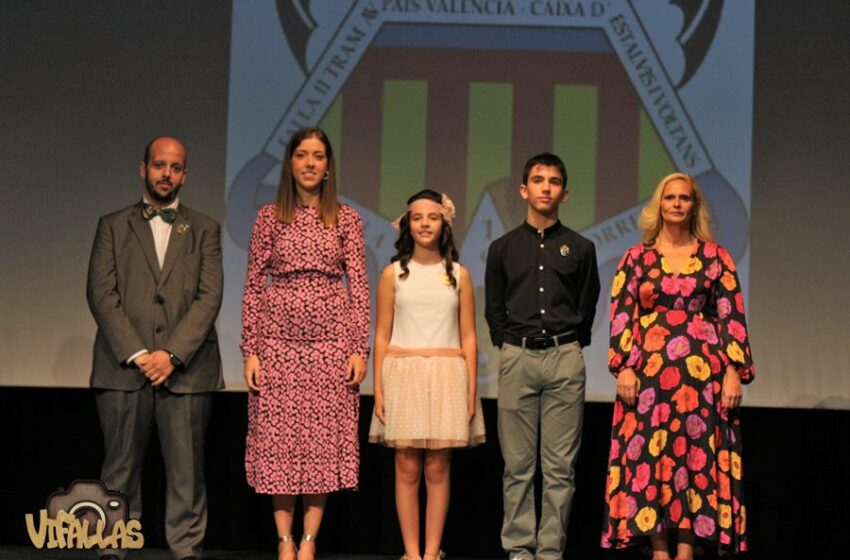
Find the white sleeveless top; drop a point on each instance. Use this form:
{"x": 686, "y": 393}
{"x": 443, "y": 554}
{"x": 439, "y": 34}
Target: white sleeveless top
{"x": 425, "y": 314}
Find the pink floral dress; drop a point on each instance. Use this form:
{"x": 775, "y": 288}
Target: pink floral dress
{"x": 303, "y": 321}
{"x": 675, "y": 460}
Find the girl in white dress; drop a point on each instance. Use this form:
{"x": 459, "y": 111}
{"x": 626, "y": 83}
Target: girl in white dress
{"x": 425, "y": 366}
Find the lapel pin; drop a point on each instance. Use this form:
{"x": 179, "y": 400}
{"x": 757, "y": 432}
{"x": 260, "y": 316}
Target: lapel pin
{"x": 182, "y": 229}
{"x": 565, "y": 250}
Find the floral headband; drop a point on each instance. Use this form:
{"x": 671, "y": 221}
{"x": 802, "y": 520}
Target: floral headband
{"x": 446, "y": 206}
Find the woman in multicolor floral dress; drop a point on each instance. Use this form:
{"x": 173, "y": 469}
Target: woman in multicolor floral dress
{"x": 305, "y": 341}
{"x": 680, "y": 354}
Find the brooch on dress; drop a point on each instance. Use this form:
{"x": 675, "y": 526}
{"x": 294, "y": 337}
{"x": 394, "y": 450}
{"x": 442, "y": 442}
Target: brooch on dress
{"x": 565, "y": 250}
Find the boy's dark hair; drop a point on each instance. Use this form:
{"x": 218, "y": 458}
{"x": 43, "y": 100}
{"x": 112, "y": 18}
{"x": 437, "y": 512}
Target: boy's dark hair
{"x": 547, "y": 159}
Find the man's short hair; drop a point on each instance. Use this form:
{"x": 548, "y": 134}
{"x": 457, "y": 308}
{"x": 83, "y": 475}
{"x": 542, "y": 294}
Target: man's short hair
{"x": 147, "y": 158}
{"x": 548, "y": 160}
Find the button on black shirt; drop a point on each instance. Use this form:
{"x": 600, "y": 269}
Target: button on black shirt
{"x": 541, "y": 284}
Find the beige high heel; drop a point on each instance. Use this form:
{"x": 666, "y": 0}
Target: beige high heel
{"x": 309, "y": 538}
{"x": 281, "y": 543}
{"x": 439, "y": 556}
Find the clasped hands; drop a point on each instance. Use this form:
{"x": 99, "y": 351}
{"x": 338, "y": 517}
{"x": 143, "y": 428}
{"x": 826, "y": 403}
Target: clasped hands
{"x": 731, "y": 393}
{"x": 156, "y": 366}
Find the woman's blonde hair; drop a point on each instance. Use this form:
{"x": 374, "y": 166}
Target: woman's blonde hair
{"x": 287, "y": 195}
{"x": 650, "y": 220}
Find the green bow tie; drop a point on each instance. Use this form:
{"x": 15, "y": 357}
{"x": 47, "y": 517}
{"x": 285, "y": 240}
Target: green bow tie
{"x": 168, "y": 215}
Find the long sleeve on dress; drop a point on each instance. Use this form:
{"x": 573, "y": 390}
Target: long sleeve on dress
{"x": 623, "y": 350}
{"x": 731, "y": 319}
{"x": 259, "y": 259}
{"x": 354, "y": 247}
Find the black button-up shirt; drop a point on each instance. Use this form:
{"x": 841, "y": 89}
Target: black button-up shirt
{"x": 541, "y": 284}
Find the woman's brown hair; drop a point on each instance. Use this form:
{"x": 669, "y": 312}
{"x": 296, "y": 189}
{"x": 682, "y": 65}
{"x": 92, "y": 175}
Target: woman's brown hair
{"x": 287, "y": 195}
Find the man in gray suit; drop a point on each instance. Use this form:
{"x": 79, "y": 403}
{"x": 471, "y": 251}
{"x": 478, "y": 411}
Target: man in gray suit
{"x": 155, "y": 288}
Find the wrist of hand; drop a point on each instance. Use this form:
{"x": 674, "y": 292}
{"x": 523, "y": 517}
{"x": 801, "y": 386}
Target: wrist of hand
{"x": 175, "y": 361}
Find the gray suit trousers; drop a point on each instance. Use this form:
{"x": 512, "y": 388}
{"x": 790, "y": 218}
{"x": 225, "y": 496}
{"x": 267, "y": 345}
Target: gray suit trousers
{"x": 126, "y": 419}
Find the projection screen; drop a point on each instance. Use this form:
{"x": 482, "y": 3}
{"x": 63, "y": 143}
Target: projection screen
{"x": 452, "y": 95}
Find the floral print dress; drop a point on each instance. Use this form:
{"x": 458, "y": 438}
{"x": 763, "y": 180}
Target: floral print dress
{"x": 675, "y": 459}
{"x": 305, "y": 310}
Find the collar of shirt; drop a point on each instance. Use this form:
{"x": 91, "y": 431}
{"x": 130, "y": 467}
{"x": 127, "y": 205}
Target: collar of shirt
{"x": 175, "y": 204}
{"x": 161, "y": 231}
{"x": 546, "y": 232}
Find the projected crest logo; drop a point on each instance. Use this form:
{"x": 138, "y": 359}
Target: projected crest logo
{"x": 456, "y": 95}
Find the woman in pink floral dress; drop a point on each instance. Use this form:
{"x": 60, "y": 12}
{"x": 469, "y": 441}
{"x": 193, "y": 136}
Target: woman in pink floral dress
{"x": 680, "y": 353}
{"x": 305, "y": 332}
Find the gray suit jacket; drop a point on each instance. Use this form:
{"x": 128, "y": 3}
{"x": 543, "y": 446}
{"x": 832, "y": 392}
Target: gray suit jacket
{"x": 136, "y": 305}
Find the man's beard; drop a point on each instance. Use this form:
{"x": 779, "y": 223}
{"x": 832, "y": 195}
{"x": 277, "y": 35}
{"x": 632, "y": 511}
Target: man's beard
{"x": 158, "y": 198}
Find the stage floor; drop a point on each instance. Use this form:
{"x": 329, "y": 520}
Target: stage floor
{"x": 30, "y": 553}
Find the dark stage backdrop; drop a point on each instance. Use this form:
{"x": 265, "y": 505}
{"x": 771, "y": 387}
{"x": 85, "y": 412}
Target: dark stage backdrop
{"x": 86, "y": 84}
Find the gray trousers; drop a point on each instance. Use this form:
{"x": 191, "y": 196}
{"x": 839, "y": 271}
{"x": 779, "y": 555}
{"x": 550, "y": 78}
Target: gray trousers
{"x": 126, "y": 419}
{"x": 540, "y": 392}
